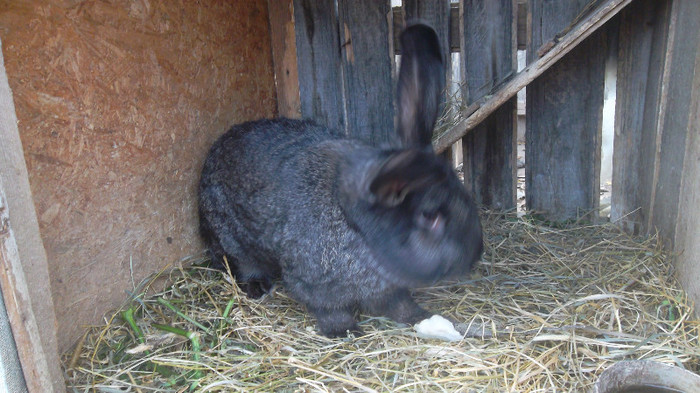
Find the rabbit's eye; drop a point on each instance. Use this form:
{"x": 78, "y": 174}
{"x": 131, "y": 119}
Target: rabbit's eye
{"x": 432, "y": 221}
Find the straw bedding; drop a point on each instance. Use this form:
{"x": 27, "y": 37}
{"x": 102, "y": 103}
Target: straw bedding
{"x": 548, "y": 309}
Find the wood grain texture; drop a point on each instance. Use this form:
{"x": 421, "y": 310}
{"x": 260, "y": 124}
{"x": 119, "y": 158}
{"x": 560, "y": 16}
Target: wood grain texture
{"x": 477, "y": 112}
{"x": 367, "y": 61}
{"x": 564, "y": 117}
{"x": 24, "y": 275}
{"x": 284, "y": 54}
{"x": 642, "y": 47}
{"x": 454, "y": 41}
{"x": 318, "y": 57}
{"x": 437, "y": 14}
{"x": 676, "y": 126}
{"x": 118, "y": 103}
{"x": 687, "y": 233}
{"x": 489, "y": 58}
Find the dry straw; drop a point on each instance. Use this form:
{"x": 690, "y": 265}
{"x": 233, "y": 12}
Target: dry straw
{"x": 547, "y": 310}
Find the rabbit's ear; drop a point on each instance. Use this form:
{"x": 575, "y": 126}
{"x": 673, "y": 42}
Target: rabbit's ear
{"x": 402, "y": 173}
{"x": 420, "y": 85}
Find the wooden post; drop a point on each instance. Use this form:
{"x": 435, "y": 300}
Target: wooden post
{"x": 642, "y": 47}
{"x": 367, "y": 61}
{"x": 687, "y": 231}
{"x": 676, "y": 126}
{"x": 318, "y": 57}
{"x": 489, "y": 43}
{"x": 564, "y": 117}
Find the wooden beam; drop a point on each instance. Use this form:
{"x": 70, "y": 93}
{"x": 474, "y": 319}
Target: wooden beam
{"x": 551, "y": 53}
{"x": 284, "y": 55}
{"x": 24, "y": 276}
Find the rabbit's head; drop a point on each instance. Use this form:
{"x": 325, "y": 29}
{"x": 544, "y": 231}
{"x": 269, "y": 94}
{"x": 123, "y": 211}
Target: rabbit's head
{"x": 411, "y": 208}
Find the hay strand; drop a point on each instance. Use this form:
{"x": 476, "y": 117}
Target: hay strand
{"x": 548, "y": 309}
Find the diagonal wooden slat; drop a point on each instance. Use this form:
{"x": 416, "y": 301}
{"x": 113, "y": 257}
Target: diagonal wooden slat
{"x": 550, "y": 52}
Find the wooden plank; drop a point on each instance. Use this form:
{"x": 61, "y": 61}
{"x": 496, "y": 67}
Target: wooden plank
{"x": 687, "y": 233}
{"x": 522, "y": 24}
{"x": 284, "y": 55}
{"x": 320, "y": 82}
{"x": 24, "y": 277}
{"x": 454, "y": 41}
{"x": 642, "y": 47}
{"x": 409, "y": 8}
{"x": 564, "y": 123}
{"x": 489, "y": 43}
{"x": 557, "y": 48}
{"x": 437, "y": 14}
{"x": 677, "y": 81}
{"x": 367, "y": 61}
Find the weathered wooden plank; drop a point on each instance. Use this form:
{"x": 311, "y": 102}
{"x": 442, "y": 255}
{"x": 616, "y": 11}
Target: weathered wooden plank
{"x": 558, "y": 48}
{"x": 454, "y": 41}
{"x": 284, "y": 55}
{"x": 318, "y": 58}
{"x": 489, "y": 57}
{"x": 367, "y": 61}
{"x": 686, "y": 244}
{"x": 642, "y": 45}
{"x": 434, "y": 12}
{"x": 677, "y": 82}
{"x": 564, "y": 118}
{"x": 522, "y": 24}
{"x": 24, "y": 276}
{"x": 437, "y": 14}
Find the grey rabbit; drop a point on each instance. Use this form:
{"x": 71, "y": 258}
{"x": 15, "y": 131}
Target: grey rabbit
{"x": 343, "y": 224}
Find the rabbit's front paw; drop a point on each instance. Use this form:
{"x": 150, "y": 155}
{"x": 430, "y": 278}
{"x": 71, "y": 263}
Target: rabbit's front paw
{"x": 334, "y": 323}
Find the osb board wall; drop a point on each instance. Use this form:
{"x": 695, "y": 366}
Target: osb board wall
{"x": 118, "y": 102}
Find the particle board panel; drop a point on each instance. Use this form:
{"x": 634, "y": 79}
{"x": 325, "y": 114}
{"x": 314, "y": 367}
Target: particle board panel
{"x": 118, "y": 103}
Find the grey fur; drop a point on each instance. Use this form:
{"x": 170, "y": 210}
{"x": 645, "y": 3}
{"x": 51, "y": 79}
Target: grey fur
{"x": 345, "y": 225}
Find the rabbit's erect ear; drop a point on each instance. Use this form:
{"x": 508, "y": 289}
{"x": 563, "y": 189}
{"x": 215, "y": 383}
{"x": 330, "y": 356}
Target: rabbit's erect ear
{"x": 402, "y": 173}
{"x": 420, "y": 85}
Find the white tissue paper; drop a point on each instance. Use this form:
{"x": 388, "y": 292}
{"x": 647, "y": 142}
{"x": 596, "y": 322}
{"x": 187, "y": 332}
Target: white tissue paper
{"x": 437, "y": 327}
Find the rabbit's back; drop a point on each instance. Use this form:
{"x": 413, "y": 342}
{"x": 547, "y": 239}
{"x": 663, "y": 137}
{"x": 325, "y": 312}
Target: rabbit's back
{"x": 267, "y": 199}
{"x": 248, "y": 176}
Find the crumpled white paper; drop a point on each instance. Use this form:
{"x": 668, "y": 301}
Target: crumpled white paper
{"x": 437, "y": 327}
